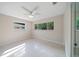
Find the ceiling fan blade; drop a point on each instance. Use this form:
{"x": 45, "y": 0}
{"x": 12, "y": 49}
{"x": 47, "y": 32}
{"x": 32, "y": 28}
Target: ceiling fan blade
{"x": 32, "y": 13}
{"x": 54, "y": 3}
{"x": 27, "y": 9}
{"x": 35, "y": 9}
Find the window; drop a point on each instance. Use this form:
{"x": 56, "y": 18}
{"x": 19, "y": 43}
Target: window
{"x": 45, "y": 26}
{"x": 77, "y": 23}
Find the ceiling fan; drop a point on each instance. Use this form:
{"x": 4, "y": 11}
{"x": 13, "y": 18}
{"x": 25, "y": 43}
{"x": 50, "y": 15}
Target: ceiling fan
{"x": 32, "y": 13}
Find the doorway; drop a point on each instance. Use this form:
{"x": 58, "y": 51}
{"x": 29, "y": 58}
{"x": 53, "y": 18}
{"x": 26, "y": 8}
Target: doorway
{"x": 75, "y": 29}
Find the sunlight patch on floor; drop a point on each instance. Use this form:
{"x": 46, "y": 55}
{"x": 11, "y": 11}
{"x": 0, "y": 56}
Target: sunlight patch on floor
{"x": 13, "y": 50}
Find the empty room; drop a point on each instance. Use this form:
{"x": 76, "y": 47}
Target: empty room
{"x": 37, "y": 29}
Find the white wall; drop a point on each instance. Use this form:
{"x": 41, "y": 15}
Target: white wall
{"x": 7, "y": 32}
{"x": 55, "y": 35}
{"x": 67, "y": 30}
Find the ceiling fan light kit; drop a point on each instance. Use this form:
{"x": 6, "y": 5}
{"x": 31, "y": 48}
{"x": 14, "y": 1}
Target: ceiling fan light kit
{"x": 30, "y": 16}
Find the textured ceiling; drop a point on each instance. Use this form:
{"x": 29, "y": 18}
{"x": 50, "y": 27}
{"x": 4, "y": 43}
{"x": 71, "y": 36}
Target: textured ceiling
{"x": 46, "y": 9}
